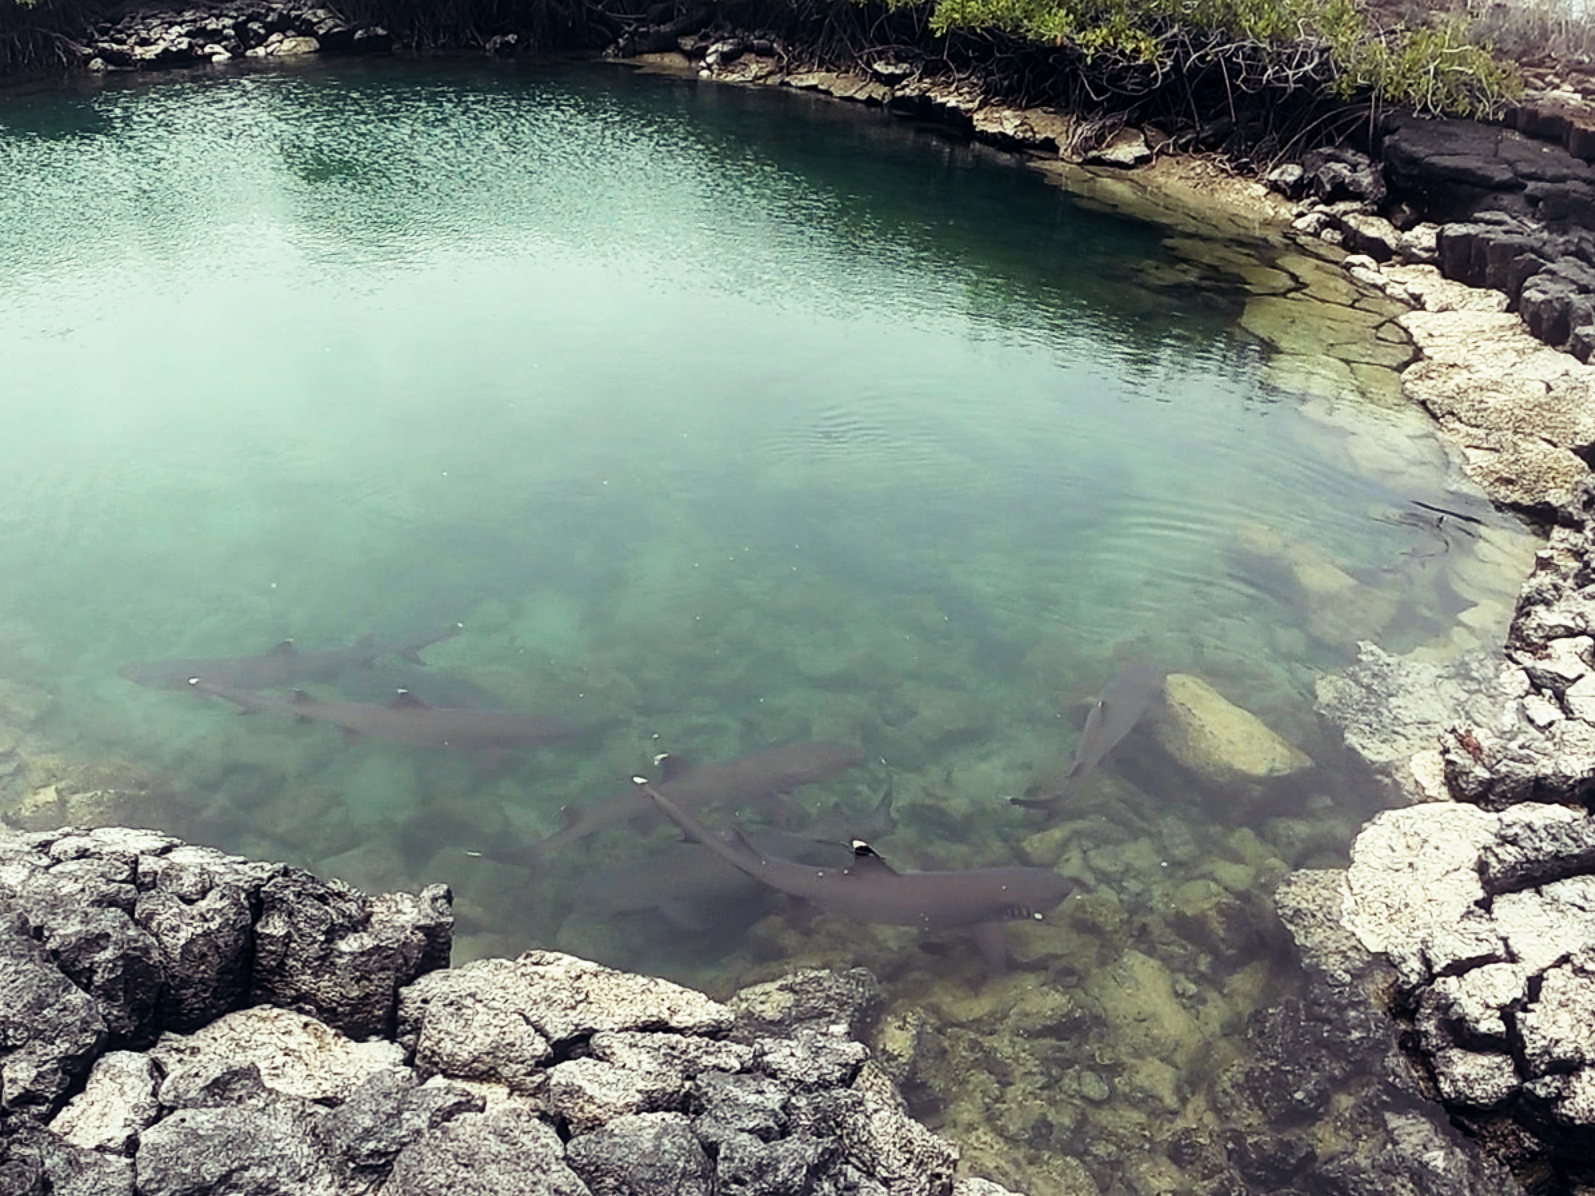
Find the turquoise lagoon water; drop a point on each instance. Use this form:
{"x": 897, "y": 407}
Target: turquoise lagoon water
{"x": 718, "y": 418}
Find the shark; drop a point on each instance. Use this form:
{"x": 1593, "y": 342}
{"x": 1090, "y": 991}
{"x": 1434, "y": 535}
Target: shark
{"x": 769, "y": 772}
{"x": 282, "y": 666}
{"x": 406, "y": 719}
{"x": 869, "y": 889}
{"x": 695, "y": 890}
{"x": 1124, "y": 701}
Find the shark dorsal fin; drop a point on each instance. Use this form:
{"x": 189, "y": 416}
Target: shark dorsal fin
{"x": 300, "y": 697}
{"x": 285, "y": 648}
{"x": 405, "y": 700}
{"x": 866, "y": 861}
{"x": 571, "y": 815}
{"x": 671, "y": 768}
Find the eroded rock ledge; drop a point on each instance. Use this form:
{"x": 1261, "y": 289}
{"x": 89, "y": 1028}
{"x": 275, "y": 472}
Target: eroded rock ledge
{"x": 175, "y": 1020}
{"x": 1482, "y": 895}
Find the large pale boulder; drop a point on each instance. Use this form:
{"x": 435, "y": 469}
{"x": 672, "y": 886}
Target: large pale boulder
{"x": 1217, "y": 740}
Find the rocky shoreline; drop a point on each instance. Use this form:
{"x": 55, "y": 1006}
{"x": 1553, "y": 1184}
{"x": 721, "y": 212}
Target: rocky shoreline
{"x": 1456, "y": 952}
{"x": 176, "y": 1020}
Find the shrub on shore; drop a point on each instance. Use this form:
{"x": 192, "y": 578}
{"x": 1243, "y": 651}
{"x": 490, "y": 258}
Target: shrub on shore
{"x": 1327, "y": 45}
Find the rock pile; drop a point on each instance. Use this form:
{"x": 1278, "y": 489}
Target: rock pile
{"x": 156, "y": 40}
{"x": 174, "y": 1020}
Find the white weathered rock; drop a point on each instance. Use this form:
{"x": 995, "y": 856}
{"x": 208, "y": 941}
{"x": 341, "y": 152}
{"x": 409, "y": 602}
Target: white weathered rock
{"x": 585, "y": 1093}
{"x": 1126, "y": 148}
{"x": 1545, "y": 924}
{"x": 115, "y": 1106}
{"x": 1475, "y": 1000}
{"x": 641, "y": 1051}
{"x": 1477, "y": 1079}
{"x": 1434, "y": 292}
{"x": 498, "y": 1019}
{"x": 1558, "y": 1028}
{"x": 296, "y": 1055}
{"x": 1412, "y": 882}
{"x": 1580, "y": 697}
{"x": 293, "y": 47}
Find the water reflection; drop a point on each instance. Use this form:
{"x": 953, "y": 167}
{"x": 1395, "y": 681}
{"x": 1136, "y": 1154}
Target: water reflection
{"x": 720, "y": 420}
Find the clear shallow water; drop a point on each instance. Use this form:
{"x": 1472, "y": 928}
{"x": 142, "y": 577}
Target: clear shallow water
{"x": 718, "y": 418}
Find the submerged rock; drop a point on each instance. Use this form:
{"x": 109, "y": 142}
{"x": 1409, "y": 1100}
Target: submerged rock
{"x": 1217, "y": 740}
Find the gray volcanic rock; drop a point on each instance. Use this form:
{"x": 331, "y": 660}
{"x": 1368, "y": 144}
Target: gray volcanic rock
{"x": 383, "y": 1116}
{"x": 731, "y": 1105}
{"x": 116, "y": 935}
{"x": 329, "y": 949}
{"x": 583, "y": 1094}
{"x": 496, "y": 1065}
{"x": 810, "y": 996}
{"x": 33, "y": 1160}
{"x": 503, "y": 1151}
{"x": 204, "y": 946}
{"x": 642, "y": 1154}
{"x": 265, "y": 1146}
{"x": 50, "y": 1030}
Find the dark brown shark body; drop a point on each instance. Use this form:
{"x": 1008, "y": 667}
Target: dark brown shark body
{"x": 692, "y": 887}
{"x": 871, "y": 890}
{"x": 406, "y": 719}
{"x": 282, "y": 667}
{"x": 696, "y": 891}
{"x": 1134, "y": 690}
{"x": 768, "y": 773}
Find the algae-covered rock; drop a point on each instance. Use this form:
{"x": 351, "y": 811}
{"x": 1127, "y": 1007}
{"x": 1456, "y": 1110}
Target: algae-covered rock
{"x": 1209, "y": 917}
{"x": 1046, "y": 847}
{"x": 1136, "y": 996}
{"x": 1217, "y": 740}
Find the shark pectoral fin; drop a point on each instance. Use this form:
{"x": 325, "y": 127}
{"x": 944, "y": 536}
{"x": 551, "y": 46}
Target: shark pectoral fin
{"x": 993, "y": 946}
{"x": 867, "y": 862}
{"x": 405, "y": 700}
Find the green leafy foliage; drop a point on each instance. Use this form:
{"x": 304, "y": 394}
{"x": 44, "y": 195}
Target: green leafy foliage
{"x": 1435, "y": 68}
